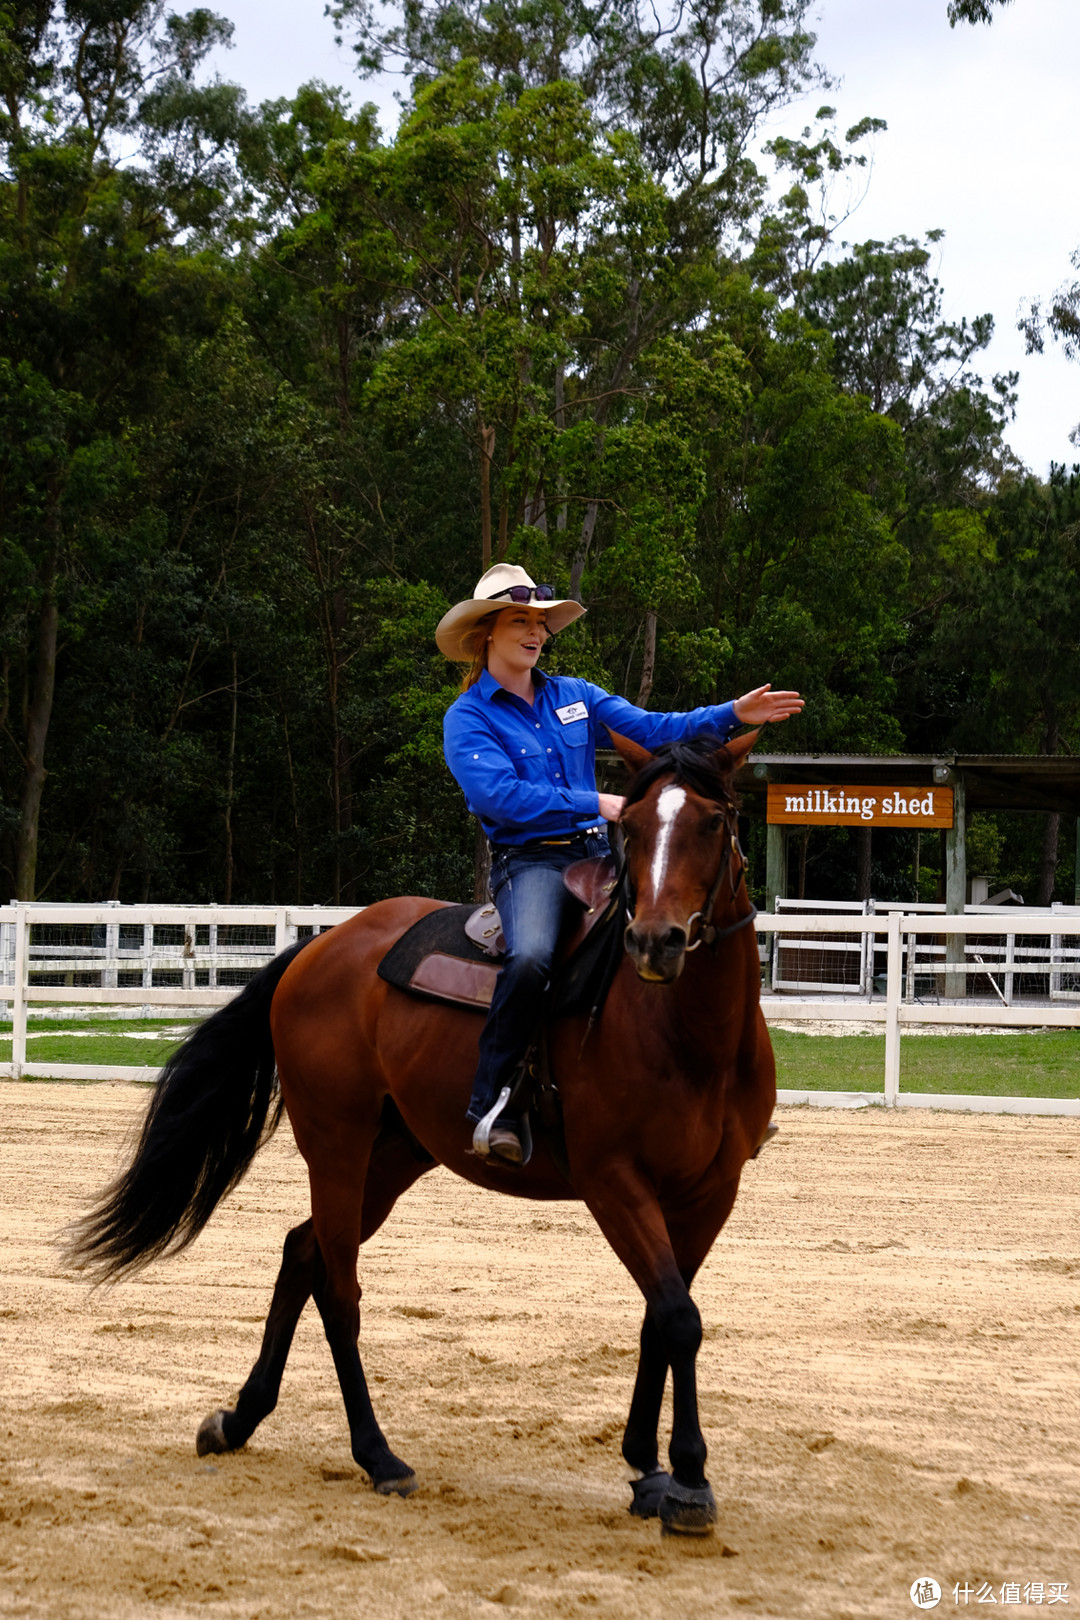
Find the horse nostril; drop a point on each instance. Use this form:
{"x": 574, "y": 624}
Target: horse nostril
{"x": 641, "y": 943}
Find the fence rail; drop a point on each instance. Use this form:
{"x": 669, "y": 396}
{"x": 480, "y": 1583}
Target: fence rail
{"x": 198, "y": 956}
{"x": 136, "y": 956}
{"x": 898, "y": 1005}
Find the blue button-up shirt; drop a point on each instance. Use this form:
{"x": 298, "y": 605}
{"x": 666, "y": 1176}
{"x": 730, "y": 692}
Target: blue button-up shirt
{"x": 529, "y": 770}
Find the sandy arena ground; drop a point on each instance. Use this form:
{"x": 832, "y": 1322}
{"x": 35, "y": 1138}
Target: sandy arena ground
{"x": 888, "y": 1387}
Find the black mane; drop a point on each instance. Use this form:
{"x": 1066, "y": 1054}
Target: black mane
{"x": 700, "y": 763}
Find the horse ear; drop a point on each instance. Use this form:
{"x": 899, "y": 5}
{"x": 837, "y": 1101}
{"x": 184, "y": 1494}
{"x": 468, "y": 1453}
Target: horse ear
{"x": 737, "y": 749}
{"x": 631, "y": 753}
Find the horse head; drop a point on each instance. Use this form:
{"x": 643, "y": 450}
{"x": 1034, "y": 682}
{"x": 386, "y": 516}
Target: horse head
{"x": 680, "y": 826}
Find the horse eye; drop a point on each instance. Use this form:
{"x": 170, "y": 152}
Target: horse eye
{"x": 716, "y": 822}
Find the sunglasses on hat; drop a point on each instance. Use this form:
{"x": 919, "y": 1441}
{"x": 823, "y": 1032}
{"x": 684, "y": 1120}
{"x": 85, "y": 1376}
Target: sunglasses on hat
{"x": 525, "y": 593}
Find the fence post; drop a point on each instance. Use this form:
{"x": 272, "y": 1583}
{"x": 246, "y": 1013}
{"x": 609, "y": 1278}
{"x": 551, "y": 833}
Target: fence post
{"x": 869, "y": 954}
{"x": 956, "y": 984}
{"x": 892, "y": 1011}
{"x": 1010, "y": 958}
{"x": 282, "y": 931}
{"x": 909, "y": 987}
{"x": 18, "y": 989}
{"x": 110, "y": 967}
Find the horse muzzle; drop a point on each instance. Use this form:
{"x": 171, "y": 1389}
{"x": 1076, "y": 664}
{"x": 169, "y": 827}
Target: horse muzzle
{"x": 658, "y": 952}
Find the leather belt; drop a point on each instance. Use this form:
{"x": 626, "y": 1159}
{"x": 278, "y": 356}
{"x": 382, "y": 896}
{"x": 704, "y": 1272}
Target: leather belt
{"x": 543, "y": 843}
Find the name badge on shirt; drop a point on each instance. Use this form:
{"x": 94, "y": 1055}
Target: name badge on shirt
{"x": 571, "y": 712}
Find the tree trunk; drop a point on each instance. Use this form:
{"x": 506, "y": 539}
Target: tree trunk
{"x": 577, "y": 567}
{"x": 37, "y": 729}
{"x": 295, "y": 813}
{"x": 560, "y": 412}
{"x": 862, "y": 870}
{"x": 481, "y": 866}
{"x": 648, "y": 663}
{"x": 229, "y": 778}
{"x": 1048, "y": 867}
{"x": 487, "y": 448}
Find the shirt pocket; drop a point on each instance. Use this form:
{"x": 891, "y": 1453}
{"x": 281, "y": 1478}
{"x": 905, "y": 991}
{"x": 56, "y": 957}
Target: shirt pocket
{"x": 576, "y": 734}
{"x": 528, "y": 758}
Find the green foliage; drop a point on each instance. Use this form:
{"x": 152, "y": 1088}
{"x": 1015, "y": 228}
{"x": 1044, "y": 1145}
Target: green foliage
{"x": 274, "y": 387}
{"x": 973, "y": 11}
{"x": 1009, "y": 635}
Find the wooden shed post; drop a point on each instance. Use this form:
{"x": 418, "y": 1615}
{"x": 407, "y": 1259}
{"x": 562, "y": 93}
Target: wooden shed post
{"x": 775, "y": 866}
{"x": 956, "y": 890}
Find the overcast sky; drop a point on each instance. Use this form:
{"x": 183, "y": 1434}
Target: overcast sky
{"x": 983, "y": 142}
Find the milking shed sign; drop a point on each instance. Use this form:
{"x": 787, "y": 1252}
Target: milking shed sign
{"x": 796, "y": 805}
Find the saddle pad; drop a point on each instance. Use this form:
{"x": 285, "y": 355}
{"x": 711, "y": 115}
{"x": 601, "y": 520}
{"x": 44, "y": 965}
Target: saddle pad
{"x": 436, "y": 959}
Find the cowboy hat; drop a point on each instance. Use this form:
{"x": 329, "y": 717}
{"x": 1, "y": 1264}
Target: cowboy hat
{"x": 492, "y": 593}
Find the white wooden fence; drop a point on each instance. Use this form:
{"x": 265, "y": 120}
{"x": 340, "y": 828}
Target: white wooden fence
{"x": 147, "y": 958}
{"x": 195, "y": 957}
{"x": 908, "y": 940}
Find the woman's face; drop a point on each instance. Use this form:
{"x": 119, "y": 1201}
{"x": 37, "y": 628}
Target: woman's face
{"x": 517, "y": 637}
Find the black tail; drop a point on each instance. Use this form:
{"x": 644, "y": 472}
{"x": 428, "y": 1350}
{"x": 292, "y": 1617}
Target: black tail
{"x": 216, "y": 1102}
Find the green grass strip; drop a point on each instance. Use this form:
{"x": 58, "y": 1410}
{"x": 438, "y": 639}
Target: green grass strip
{"x": 1045, "y": 1063}
{"x": 108, "y": 1026}
{"x": 99, "y": 1049}
{"x": 1041, "y": 1064}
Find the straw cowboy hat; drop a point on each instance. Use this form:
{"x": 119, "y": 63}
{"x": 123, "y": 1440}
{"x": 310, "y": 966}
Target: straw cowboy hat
{"x": 503, "y": 586}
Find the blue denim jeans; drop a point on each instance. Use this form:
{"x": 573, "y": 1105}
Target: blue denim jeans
{"x": 536, "y": 909}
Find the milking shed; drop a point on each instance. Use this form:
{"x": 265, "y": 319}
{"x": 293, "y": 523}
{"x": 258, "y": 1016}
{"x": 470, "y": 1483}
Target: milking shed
{"x": 919, "y": 791}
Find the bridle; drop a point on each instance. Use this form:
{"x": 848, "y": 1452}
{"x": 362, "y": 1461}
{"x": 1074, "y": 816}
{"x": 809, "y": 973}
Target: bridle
{"x": 734, "y": 865}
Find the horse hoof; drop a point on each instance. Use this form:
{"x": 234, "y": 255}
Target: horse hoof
{"x": 687, "y": 1510}
{"x": 403, "y": 1485}
{"x": 211, "y": 1435}
{"x": 649, "y": 1492}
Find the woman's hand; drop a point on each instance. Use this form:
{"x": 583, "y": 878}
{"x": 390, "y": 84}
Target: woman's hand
{"x": 611, "y": 806}
{"x": 763, "y": 706}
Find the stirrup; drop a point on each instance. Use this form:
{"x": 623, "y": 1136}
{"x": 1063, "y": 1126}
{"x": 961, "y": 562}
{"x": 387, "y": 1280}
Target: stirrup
{"x": 482, "y": 1134}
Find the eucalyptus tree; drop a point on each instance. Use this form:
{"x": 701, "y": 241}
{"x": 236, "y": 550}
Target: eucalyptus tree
{"x": 973, "y": 11}
{"x": 615, "y": 167}
{"x": 1008, "y": 637}
{"x": 109, "y": 154}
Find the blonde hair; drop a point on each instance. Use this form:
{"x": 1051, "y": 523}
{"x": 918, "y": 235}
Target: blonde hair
{"x": 474, "y": 649}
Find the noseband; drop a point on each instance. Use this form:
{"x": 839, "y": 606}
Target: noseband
{"x": 735, "y": 865}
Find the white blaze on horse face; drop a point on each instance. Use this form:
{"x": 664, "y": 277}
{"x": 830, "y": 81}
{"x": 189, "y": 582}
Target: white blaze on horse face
{"x": 668, "y": 806}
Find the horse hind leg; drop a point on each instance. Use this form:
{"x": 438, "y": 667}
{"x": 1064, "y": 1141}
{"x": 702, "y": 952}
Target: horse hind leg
{"x": 337, "y": 1213}
{"x": 301, "y": 1265}
{"x": 396, "y": 1162}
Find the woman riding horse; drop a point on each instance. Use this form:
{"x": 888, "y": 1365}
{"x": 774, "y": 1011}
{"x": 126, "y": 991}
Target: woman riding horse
{"x": 663, "y": 1102}
{"x": 522, "y": 746}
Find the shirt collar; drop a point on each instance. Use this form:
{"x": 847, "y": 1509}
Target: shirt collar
{"x": 490, "y": 688}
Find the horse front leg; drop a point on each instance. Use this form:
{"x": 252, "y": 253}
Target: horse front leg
{"x": 640, "y": 1444}
{"x": 628, "y": 1213}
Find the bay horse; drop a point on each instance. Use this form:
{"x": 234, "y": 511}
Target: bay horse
{"x": 664, "y": 1100}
